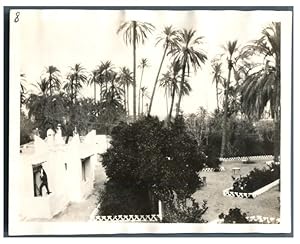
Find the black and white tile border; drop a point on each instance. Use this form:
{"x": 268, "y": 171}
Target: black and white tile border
{"x": 128, "y": 218}
{"x": 263, "y": 220}
{"x": 213, "y": 169}
{"x": 269, "y": 163}
{"x": 253, "y": 220}
{"x": 245, "y": 158}
{"x": 251, "y": 195}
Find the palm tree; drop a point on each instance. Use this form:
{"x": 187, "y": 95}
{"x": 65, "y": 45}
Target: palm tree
{"x": 144, "y": 94}
{"x": 217, "y": 78}
{"x": 114, "y": 91}
{"x": 143, "y": 64}
{"x": 53, "y": 79}
{"x": 47, "y": 111}
{"x": 167, "y": 36}
{"x": 105, "y": 71}
{"x": 22, "y": 89}
{"x": 125, "y": 77}
{"x": 76, "y": 78}
{"x": 170, "y": 81}
{"x": 262, "y": 86}
{"x": 93, "y": 80}
{"x": 135, "y": 32}
{"x": 166, "y": 82}
{"x": 186, "y": 51}
{"x": 43, "y": 87}
{"x": 230, "y": 49}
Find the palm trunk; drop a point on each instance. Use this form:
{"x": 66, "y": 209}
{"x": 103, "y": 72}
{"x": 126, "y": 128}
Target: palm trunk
{"x": 142, "y": 104}
{"x": 127, "y": 99}
{"x": 156, "y": 80}
{"x": 277, "y": 111}
{"x": 112, "y": 90}
{"x": 224, "y": 132}
{"x": 134, "y": 71}
{"x": 95, "y": 92}
{"x": 124, "y": 88}
{"x": 276, "y": 138}
{"x": 167, "y": 104}
{"x": 72, "y": 91}
{"x": 217, "y": 96}
{"x": 50, "y": 85}
{"x": 181, "y": 88}
{"x": 100, "y": 93}
{"x": 172, "y": 102}
{"x": 139, "y": 107}
{"x": 75, "y": 92}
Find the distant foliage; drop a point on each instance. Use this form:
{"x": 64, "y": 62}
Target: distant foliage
{"x": 234, "y": 216}
{"x": 245, "y": 138}
{"x": 26, "y": 128}
{"x": 265, "y": 129}
{"x": 256, "y": 179}
{"x": 196, "y": 124}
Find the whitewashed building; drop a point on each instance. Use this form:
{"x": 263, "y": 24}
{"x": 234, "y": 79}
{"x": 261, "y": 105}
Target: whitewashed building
{"x": 70, "y": 170}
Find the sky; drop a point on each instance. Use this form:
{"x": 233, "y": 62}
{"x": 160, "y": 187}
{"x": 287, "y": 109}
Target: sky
{"x": 65, "y": 37}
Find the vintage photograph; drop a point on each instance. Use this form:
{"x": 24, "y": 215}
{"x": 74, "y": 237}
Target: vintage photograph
{"x": 138, "y": 119}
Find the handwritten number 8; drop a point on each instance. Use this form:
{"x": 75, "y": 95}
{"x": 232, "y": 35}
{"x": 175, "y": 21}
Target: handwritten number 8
{"x": 17, "y": 17}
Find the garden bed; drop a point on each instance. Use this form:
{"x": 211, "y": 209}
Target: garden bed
{"x": 230, "y": 193}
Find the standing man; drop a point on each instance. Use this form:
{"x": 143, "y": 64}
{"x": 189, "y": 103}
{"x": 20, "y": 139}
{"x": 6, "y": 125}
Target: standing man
{"x": 44, "y": 180}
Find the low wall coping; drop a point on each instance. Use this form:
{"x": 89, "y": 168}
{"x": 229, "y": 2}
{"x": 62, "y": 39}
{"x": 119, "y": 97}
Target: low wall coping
{"x": 254, "y": 194}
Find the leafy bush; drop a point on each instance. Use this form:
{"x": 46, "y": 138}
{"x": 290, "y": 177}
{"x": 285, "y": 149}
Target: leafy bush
{"x": 149, "y": 155}
{"x": 256, "y": 179}
{"x": 182, "y": 212}
{"x": 213, "y": 162}
{"x": 124, "y": 198}
{"x": 234, "y": 216}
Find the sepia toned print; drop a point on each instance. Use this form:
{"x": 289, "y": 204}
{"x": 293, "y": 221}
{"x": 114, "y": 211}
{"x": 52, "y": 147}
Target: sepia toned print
{"x": 138, "y": 119}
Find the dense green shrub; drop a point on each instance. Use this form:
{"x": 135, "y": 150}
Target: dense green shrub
{"x": 234, "y": 216}
{"x": 213, "y": 162}
{"x": 187, "y": 211}
{"x": 126, "y": 198}
{"x": 150, "y": 155}
{"x": 256, "y": 179}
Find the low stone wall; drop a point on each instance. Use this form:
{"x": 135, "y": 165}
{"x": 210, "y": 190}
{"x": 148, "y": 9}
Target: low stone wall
{"x": 250, "y": 195}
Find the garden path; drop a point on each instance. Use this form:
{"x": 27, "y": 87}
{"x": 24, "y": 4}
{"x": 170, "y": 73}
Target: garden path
{"x": 80, "y": 212}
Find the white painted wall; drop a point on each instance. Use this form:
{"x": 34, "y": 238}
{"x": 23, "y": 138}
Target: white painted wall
{"x": 66, "y": 185}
